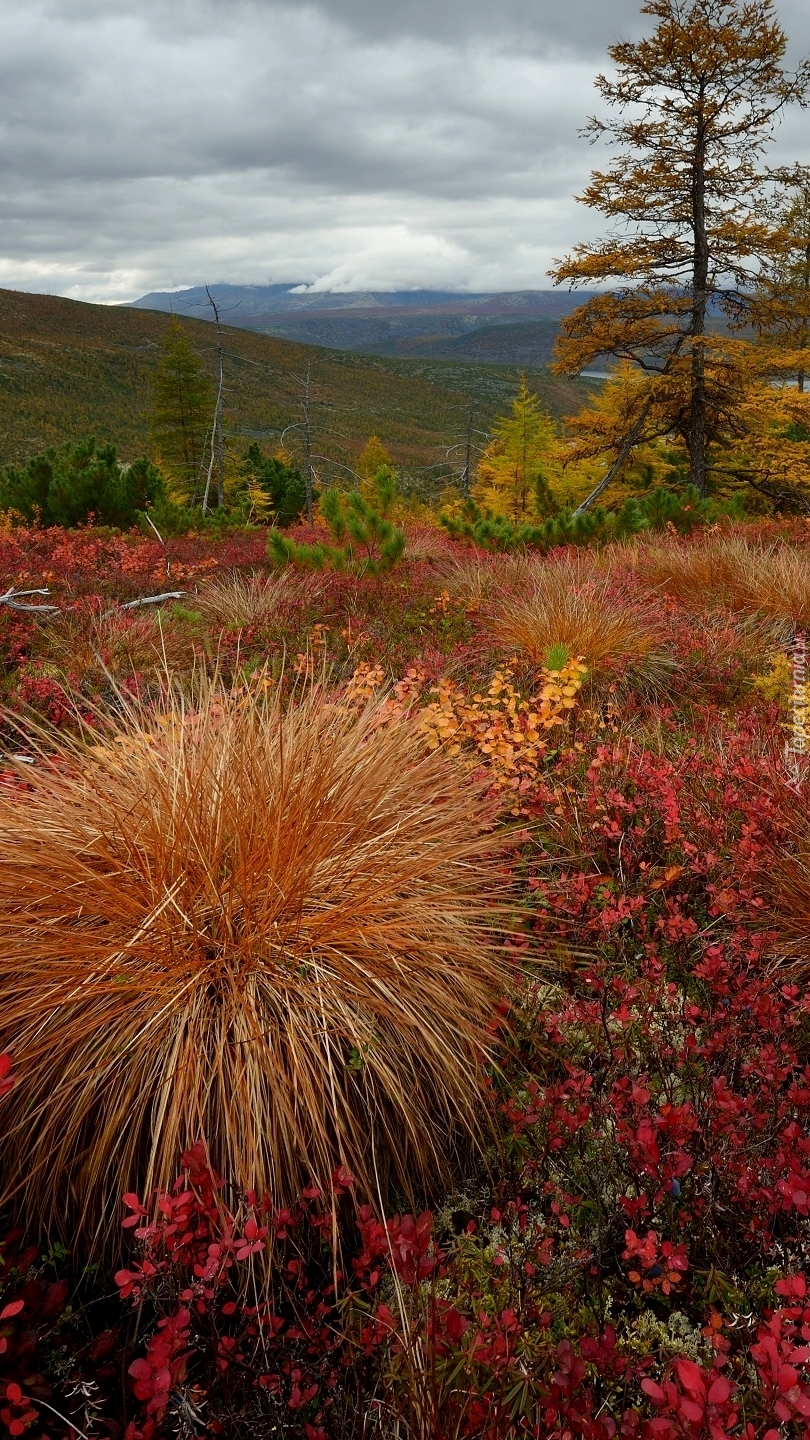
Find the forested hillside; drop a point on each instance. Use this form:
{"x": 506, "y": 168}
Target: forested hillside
{"x": 69, "y": 369}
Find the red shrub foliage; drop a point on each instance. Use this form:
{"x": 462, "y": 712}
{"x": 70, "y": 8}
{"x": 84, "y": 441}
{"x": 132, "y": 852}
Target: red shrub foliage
{"x": 635, "y": 1262}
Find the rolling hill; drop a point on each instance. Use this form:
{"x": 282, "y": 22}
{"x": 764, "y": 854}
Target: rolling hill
{"x": 507, "y": 328}
{"x": 69, "y": 369}
{"x": 522, "y": 343}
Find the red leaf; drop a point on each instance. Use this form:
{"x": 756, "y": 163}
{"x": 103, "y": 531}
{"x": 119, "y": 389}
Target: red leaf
{"x": 654, "y": 1391}
{"x": 691, "y": 1378}
{"x": 791, "y": 1285}
{"x": 788, "y": 1377}
{"x": 13, "y": 1308}
{"x": 55, "y": 1297}
{"x": 719, "y": 1391}
{"x": 690, "y": 1410}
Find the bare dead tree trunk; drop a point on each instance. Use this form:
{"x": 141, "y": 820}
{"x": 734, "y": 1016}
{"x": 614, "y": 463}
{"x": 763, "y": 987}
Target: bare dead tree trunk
{"x": 210, "y": 471}
{"x": 308, "y": 443}
{"x": 217, "y": 440}
{"x": 466, "y": 475}
{"x": 700, "y": 279}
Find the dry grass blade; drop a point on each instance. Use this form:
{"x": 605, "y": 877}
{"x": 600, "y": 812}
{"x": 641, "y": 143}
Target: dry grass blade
{"x": 788, "y": 891}
{"x": 479, "y": 577}
{"x": 704, "y": 574}
{"x": 571, "y": 605}
{"x": 425, "y": 543}
{"x": 781, "y": 585}
{"x": 261, "y": 928}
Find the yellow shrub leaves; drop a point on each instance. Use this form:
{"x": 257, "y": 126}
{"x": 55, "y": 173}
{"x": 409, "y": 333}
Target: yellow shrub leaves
{"x": 499, "y": 730}
{"x": 365, "y": 682}
{"x": 507, "y": 734}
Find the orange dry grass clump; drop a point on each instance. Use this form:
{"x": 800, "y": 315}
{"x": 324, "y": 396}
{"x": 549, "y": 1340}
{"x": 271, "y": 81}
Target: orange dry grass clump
{"x": 260, "y": 928}
{"x": 481, "y": 576}
{"x": 787, "y": 882}
{"x": 425, "y": 542}
{"x": 731, "y": 572}
{"x": 571, "y": 606}
{"x": 781, "y": 585}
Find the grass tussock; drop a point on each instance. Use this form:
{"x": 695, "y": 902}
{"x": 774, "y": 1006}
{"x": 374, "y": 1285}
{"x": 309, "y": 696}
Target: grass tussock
{"x": 93, "y": 648}
{"x": 425, "y": 543}
{"x": 731, "y": 572}
{"x": 258, "y": 927}
{"x": 239, "y": 601}
{"x": 788, "y": 890}
{"x": 479, "y": 577}
{"x": 569, "y": 608}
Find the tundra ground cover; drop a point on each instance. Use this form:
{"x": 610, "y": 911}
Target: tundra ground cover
{"x": 626, "y": 1253}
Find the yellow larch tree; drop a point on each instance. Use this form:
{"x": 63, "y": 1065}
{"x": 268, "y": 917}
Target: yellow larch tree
{"x": 373, "y": 457}
{"x": 513, "y": 470}
{"x": 780, "y": 308}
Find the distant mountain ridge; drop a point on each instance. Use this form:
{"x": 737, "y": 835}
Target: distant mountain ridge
{"x": 429, "y": 324}
{"x": 258, "y": 300}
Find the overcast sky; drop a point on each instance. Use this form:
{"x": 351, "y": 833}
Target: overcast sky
{"x": 349, "y": 144}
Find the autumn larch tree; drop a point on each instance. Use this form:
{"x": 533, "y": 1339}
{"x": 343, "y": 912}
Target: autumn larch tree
{"x": 696, "y": 103}
{"x": 372, "y": 457}
{"x": 780, "y": 310}
{"x": 182, "y": 402}
{"x": 510, "y": 472}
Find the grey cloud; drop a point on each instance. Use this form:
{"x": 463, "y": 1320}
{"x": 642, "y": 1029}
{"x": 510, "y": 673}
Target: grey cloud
{"x": 411, "y": 117}
{"x": 145, "y": 144}
{"x": 585, "y": 26}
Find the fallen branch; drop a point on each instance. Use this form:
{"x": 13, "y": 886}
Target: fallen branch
{"x": 12, "y": 598}
{"x": 145, "y": 600}
{"x": 151, "y": 522}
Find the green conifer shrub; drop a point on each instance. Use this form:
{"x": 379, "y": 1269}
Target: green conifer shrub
{"x": 363, "y": 537}
{"x": 80, "y": 482}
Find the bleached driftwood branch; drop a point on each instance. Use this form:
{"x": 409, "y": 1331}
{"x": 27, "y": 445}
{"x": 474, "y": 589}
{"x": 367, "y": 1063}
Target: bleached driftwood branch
{"x": 150, "y": 600}
{"x": 144, "y": 600}
{"x": 13, "y": 597}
